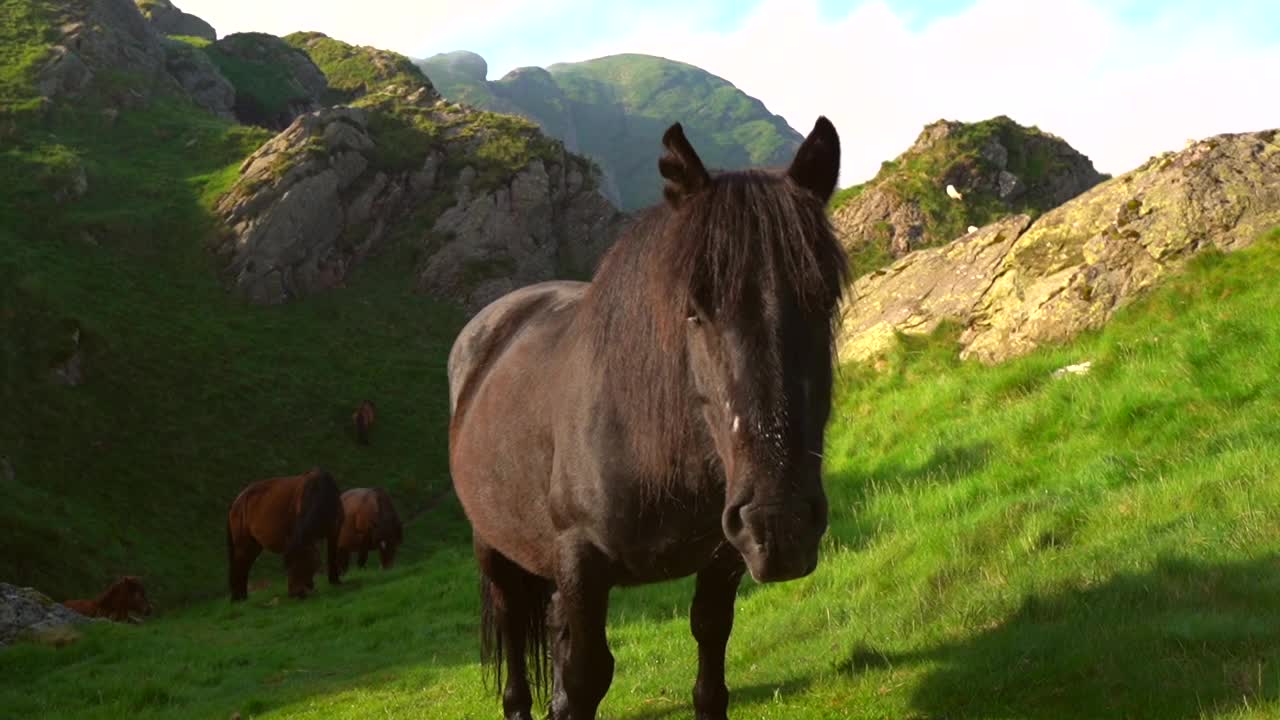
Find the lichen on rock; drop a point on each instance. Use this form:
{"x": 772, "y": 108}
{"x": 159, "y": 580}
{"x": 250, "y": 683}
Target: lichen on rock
{"x": 1072, "y": 268}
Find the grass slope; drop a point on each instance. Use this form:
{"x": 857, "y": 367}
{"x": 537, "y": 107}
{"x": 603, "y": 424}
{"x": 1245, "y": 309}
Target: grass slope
{"x": 1003, "y": 545}
{"x": 188, "y": 395}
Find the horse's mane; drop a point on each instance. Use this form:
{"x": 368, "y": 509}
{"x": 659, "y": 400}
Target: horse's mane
{"x": 744, "y": 231}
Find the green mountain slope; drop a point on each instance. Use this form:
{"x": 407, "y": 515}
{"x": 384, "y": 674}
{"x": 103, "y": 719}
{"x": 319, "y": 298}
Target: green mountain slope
{"x": 138, "y": 396}
{"x": 615, "y": 109}
{"x": 1003, "y": 543}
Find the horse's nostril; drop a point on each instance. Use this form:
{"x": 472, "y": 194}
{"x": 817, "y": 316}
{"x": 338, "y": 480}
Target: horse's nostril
{"x": 733, "y": 522}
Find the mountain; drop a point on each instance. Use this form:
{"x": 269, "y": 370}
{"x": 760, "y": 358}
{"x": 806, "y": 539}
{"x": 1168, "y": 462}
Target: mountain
{"x": 1021, "y": 282}
{"x": 999, "y": 167}
{"x": 614, "y": 110}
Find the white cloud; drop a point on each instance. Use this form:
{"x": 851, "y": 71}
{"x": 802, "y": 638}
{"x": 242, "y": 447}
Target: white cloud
{"x": 1118, "y": 90}
{"x": 390, "y": 24}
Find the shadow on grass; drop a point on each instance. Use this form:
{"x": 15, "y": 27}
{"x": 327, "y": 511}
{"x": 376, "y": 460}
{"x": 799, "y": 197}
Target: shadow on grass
{"x": 1184, "y": 640}
{"x": 747, "y": 695}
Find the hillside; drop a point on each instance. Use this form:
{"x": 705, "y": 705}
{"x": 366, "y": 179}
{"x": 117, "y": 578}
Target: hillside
{"x": 1020, "y": 283}
{"x": 614, "y": 110}
{"x": 145, "y": 395}
{"x": 999, "y": 167}
{"x": 1002, "y": 544}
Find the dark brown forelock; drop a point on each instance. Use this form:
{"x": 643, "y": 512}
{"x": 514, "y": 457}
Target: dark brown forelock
{"x": 748, "y": 229}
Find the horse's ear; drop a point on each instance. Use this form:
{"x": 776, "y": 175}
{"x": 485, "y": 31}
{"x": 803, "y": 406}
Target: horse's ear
{"x": 816, "y": 167}
{"x": 681, "y": 167}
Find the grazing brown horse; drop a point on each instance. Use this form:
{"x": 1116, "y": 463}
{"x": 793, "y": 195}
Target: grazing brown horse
{"x": 665, "y": 419}
{"x": 286, "y": 515}
{"x": 363, "y": 419}
{"x": 369, "y": 522}
{"x": 125, "y": 597}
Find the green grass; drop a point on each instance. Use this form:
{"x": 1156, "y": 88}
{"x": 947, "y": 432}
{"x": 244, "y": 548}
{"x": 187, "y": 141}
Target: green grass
{"x": 1003, "y": 544}
{"x": 26, "y": 34}
{"x": 355, "y": 71}
{"x": 188, "y": 394}
{"x": 253, "y": 63}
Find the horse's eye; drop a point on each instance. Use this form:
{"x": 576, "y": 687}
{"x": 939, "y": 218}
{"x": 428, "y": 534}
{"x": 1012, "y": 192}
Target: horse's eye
{"x": 694, "y": 320}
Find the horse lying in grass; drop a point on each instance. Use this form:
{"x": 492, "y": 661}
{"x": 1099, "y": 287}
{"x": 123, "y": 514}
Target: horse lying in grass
{"x": 121, "y": 602}
{"x": 288, "y": 516}
{"x": 363, "y": 419}
{"x": 665, "y": 419}
{"x": 369, "y": 522}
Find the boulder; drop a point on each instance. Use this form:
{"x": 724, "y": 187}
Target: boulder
{"x": 1016, "y": 285}
{"x": 169, "y": 20}
{"x": 26, "y": 613}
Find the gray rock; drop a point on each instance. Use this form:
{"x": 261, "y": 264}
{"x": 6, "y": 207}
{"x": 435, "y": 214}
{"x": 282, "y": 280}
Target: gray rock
{"x": 200, "y": 78}
{"x": 1015, "y": 286}
{"x": 169, "y": 20}
{"x": 312, "y": 202}
{"x": 104, "y": 39}
{"x": 1010, "y": 186}
{"x": 25, "y": 611}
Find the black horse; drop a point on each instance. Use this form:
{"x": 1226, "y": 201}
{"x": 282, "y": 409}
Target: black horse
{"x": 664, "y": 419}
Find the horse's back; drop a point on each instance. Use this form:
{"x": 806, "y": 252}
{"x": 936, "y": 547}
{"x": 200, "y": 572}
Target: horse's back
{"x": 265, "y": 510}
{"x": 485, "y": 335}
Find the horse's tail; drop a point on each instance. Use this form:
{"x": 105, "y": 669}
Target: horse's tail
{"x": 321, "y": 508}
{"x": 493, "y": 643}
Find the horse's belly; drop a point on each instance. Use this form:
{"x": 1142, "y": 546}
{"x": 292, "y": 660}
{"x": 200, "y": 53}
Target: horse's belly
{"x": 676, "y": 558}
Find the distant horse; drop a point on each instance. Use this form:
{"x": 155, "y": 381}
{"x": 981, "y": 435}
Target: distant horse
{"x": 363, "y": 419}
{"x": 665, "y": 419}
{"x": 369, "y": 522}
{"x": 286, "y": 515}
{"x": 125, "y": 597}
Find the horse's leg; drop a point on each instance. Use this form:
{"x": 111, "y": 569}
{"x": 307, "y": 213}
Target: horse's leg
{"x": 711, "y": 619}
{"x": 245, "y": 553}
{"x": 583, "y": 663}
{"x": 331, "y": 551}
{"x": 364, "y": 557}
{"x": 513, "y": 604}
{"x": 344, "y": 561}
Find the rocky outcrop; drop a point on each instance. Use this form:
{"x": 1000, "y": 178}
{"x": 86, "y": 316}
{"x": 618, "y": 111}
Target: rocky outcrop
{"x": 293, "y": 203}
{"x": 274, "y": 81}
{"x": 1016, "y": 285}
{"x": 200, "y": 79}
{"x": 169, "y": 20}
{"x": 26, "y": 613}
{"x": 108, "y": 55}
{"x": 103, "y": 40}
{"x": 319, "y": 197}
{"x": 998, "y": 167}
{"x": 544, "y": 223}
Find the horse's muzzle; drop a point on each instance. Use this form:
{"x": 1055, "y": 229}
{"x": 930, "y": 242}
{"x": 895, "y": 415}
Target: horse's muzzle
{"x": 778, "y": 541}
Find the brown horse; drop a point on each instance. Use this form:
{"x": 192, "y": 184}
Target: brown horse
{"x": 665, "y": 419}
{"x": 369, "y": 522}
{"x": 286, "y": 515}
{"x": 363, "y": 419}
{"x": 125, "y": 597}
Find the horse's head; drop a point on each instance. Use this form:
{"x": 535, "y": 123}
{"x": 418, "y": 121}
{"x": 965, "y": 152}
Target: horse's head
{"x": 765, "y": 274}
{"x": 129, "y": 595}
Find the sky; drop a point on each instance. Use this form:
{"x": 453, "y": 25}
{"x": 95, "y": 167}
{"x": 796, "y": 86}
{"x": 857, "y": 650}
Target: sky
{"x": 1120, "y": 80}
